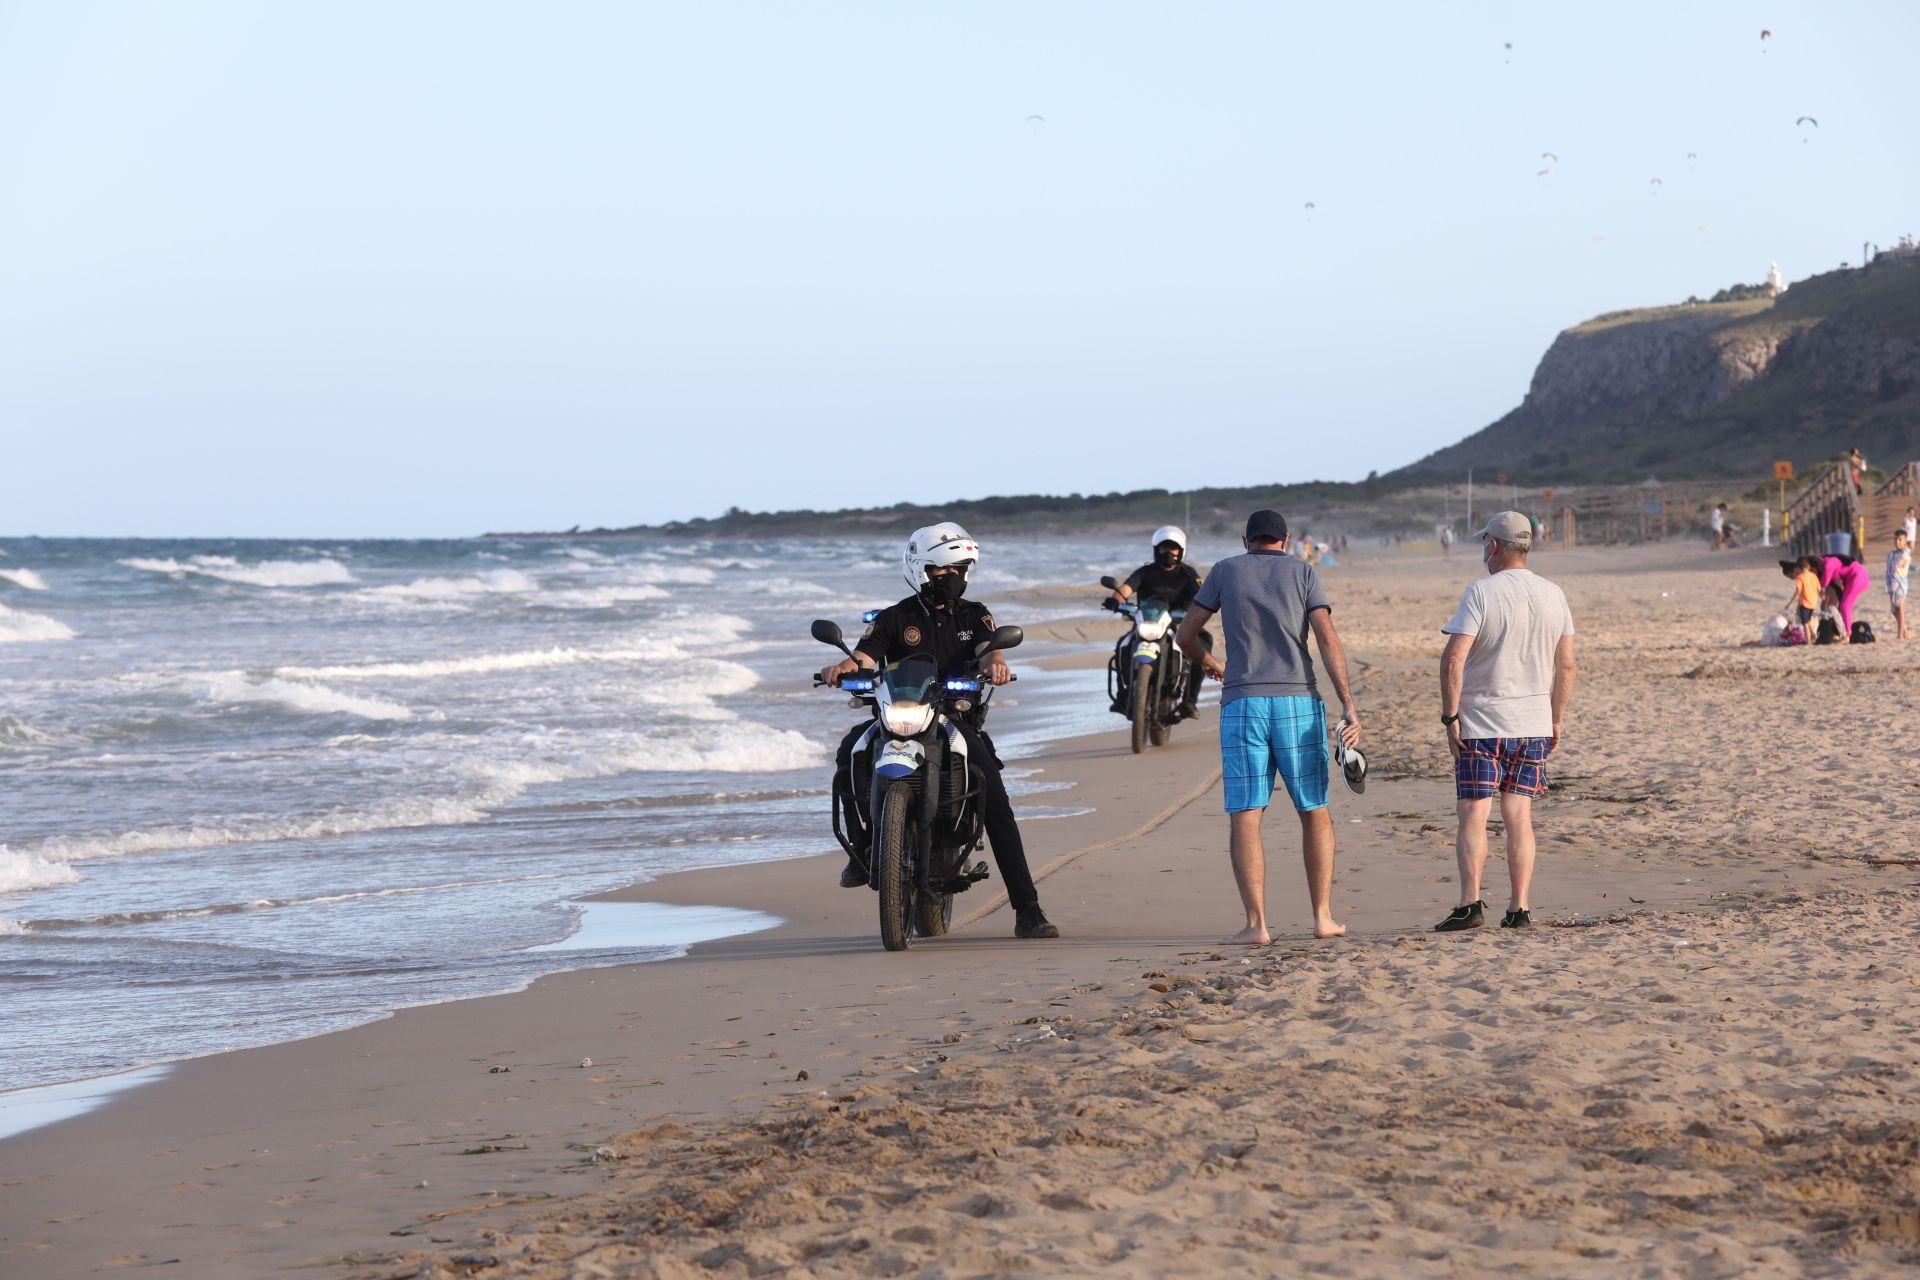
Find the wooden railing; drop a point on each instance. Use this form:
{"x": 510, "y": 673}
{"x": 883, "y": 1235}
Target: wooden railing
{"x": 1904, "y": 483}
{"x": 1827, "y": 505}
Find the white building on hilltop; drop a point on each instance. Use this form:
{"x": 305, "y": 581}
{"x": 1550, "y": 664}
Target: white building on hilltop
{"x": 1775, "y": 285}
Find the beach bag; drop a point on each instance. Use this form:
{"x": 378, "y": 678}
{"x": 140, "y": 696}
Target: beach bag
{"x": 1829, "y": 632}
{"x": 1862, "y": 632}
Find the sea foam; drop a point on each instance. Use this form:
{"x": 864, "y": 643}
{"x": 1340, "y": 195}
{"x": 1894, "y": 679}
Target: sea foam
{"x": 22, "y": 871}
{"x": 316, "y": 699}
{"x": 267, "y": 573}
{"x": 491, "y": 583}
{"x": 26, "y": 579}
{"x": 17, "y": 627}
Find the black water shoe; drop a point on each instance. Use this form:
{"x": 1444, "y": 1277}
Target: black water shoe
{"x": 1471, "y": 916}
{"x": 853, "y": 876}
{"x": 1516, "y": 920}
{"x": 1032, "y": 922}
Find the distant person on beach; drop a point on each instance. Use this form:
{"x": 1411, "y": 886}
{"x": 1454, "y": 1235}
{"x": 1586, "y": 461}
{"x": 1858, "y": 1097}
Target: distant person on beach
{"x": 1506, "y": 676}
{"x": 1848, "y": 579}
{"x": 1718, "y": 522}
{"x": 1899, "y": 563}
{"x": 1857, "y": 465}
{"x": 1272, "y": 722}
{"x": 938, "y": 622}
{"x": 1446, "y": 540}
{"x": 1912, "y": 525}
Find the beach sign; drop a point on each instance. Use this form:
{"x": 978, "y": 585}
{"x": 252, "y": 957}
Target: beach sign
{"x": 1783, "y": 471}
{"x": 1546, "y": 495}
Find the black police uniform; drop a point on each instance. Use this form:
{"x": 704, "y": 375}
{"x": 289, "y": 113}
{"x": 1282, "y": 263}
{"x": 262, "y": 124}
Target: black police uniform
{"x": 950, "y": 636}
{"x": 1177, "y": 586}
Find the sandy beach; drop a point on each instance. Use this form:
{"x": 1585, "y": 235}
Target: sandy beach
{"x": 1700, "y": 1064}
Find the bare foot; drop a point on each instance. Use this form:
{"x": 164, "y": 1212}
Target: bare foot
{"x": 1328, "y": 928}
{"x": 1251, "y": 936}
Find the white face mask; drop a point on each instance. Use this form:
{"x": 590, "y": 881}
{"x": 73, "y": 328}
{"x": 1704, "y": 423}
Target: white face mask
{"x": 1487, "y": 552}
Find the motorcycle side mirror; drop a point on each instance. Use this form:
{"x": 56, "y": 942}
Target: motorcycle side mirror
{"x": 1006, "y": 638}
{"x": 827, "y": 631}
{"x": 1110, "y": 583}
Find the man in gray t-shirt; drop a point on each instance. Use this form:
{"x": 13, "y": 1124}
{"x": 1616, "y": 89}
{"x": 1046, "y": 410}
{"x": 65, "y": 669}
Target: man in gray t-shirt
{"x": 1271, "y": 721}
{"x": 1505, "y": 678}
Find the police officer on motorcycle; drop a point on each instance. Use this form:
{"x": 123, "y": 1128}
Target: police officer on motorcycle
{"x": 1168, "y": 577}
{"x": 938, "y": 622}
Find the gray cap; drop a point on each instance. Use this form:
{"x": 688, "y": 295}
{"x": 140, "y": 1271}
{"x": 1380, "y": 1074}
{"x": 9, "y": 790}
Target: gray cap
{"x": 1510, "y": 526}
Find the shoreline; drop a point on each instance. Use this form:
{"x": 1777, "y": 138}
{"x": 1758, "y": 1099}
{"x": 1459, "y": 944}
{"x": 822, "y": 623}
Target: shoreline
{"x": 325, "y": 1148}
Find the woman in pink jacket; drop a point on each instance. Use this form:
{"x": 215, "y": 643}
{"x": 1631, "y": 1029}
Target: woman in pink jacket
{"x": 1850, "y": 579}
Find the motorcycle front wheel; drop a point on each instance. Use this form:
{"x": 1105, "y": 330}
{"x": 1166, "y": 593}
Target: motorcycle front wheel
{"x": 1141, "y": 709}
{"x": 895, "y": 875}
{"x": 932, "y": 914}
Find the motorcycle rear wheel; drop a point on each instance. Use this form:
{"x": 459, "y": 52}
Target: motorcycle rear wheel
{"x": 895, "y": 876}
{"x": 1140, "y": 712}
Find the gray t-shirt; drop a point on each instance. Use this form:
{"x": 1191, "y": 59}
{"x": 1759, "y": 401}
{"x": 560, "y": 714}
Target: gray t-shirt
{"x": 1263, "y": 599}
{"x": 1516, "y": 619}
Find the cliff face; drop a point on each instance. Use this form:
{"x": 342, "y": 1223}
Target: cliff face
{"x": 1713, "y": 390}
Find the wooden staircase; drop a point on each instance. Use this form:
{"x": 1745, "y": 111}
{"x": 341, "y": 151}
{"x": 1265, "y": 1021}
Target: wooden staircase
{"x": 1829, "y": 505}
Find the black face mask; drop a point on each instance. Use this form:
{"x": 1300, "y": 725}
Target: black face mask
{"x": 945, "y": 589}
{"x": 1166, "y": 559}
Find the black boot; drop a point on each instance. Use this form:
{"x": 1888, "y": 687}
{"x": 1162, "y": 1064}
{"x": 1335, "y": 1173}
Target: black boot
{"x": 853, "y": 876}
{"x": 1032, "y": 922}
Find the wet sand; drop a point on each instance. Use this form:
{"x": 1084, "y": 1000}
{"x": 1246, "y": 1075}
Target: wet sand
{"x": 1133, "y": 1097}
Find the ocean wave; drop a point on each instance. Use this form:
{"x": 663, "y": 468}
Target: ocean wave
{"x": 267, "y": 573}
{"x": 162, "y": 914}
{"x": 20, "y": 872}
{"x": 237, "y": 687}
{"x": 26, "y": 579}
{"x": 602, "y": 597}
{"x": 578, "y": 553}
{"x": 735, "y": 562}
{"x": 732, "y": 747}
{"x": 14, "y": 730}
{"x": 683, "y": 575}
{"x": 494, "y": 582}
{"x": 720, "y": 629}
{"x": 17, "y": 627}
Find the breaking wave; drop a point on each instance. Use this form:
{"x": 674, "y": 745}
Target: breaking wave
{"x": 494, "y": 582}
{"x": 17, "y": 627}
{"x": 238, "y": 688}
{"x": 267, "y": 573}
{"x": 737, "y": 747}
{"x": 22, "y": 871}
{"x": 26, "y": 579}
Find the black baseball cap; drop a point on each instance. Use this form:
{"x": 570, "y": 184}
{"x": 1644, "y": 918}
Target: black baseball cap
{"x": 1262, "y": 525}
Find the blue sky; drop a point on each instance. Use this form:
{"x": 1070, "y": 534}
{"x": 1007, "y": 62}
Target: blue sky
{"x": 436, "y": 268}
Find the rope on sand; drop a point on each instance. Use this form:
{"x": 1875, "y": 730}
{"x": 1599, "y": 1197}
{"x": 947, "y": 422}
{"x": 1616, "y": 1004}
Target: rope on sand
{"x": 1157, "y": 820}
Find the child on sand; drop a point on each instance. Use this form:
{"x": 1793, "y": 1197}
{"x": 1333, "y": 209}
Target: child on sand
{"x": 1804, "y": 605}
{"x": 1899, "y": 561}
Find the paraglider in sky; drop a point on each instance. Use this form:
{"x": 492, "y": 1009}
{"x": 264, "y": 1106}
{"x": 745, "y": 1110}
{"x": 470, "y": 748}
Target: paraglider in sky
{"x": 1806, "y": 120}
{"x": 1548, "y": 155}
{"x": 1655, "y": 183}
{"x": 1765, "y": 34}
{"x": 1543, "y": 173}
{"x": 1309, "y": 206}
{"x": 1035, "y": 123}
{"x": 1693, "y": 155}
{"x": 1705, "y": 231}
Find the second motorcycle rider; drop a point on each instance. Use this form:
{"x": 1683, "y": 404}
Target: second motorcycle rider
{"x": 1167, "y": 577}
{"x": 938, "y": 622}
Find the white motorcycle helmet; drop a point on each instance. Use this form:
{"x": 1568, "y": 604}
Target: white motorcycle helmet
{"x": 945, "y": 543}
{"x": 1169, "y": 533}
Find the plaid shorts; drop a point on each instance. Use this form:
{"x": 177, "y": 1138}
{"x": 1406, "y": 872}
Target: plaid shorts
{"x": 1262, "y": 737}
{"x": 1493, "y": 766}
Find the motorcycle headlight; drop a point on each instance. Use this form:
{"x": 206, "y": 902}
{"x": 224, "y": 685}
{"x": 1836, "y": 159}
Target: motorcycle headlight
{"x": 1153, "y": 628}
{"x": 906, "y": 718}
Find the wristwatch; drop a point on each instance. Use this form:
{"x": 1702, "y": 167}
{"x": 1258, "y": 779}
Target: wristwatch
{"x": 1450, "y": 720}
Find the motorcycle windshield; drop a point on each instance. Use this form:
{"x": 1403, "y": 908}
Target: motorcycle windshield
{"x": 909, "y": 679}
{"x": 1153, "y": 610}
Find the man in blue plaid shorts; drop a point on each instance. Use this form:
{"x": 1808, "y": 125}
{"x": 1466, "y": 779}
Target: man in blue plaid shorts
{"x": 1506, "y": 676}
{"x": 1271, "y": 721}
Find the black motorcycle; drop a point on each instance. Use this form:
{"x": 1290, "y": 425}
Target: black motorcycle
{"x": 913, "y": 792}
{"x": 1147, "y": 673}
